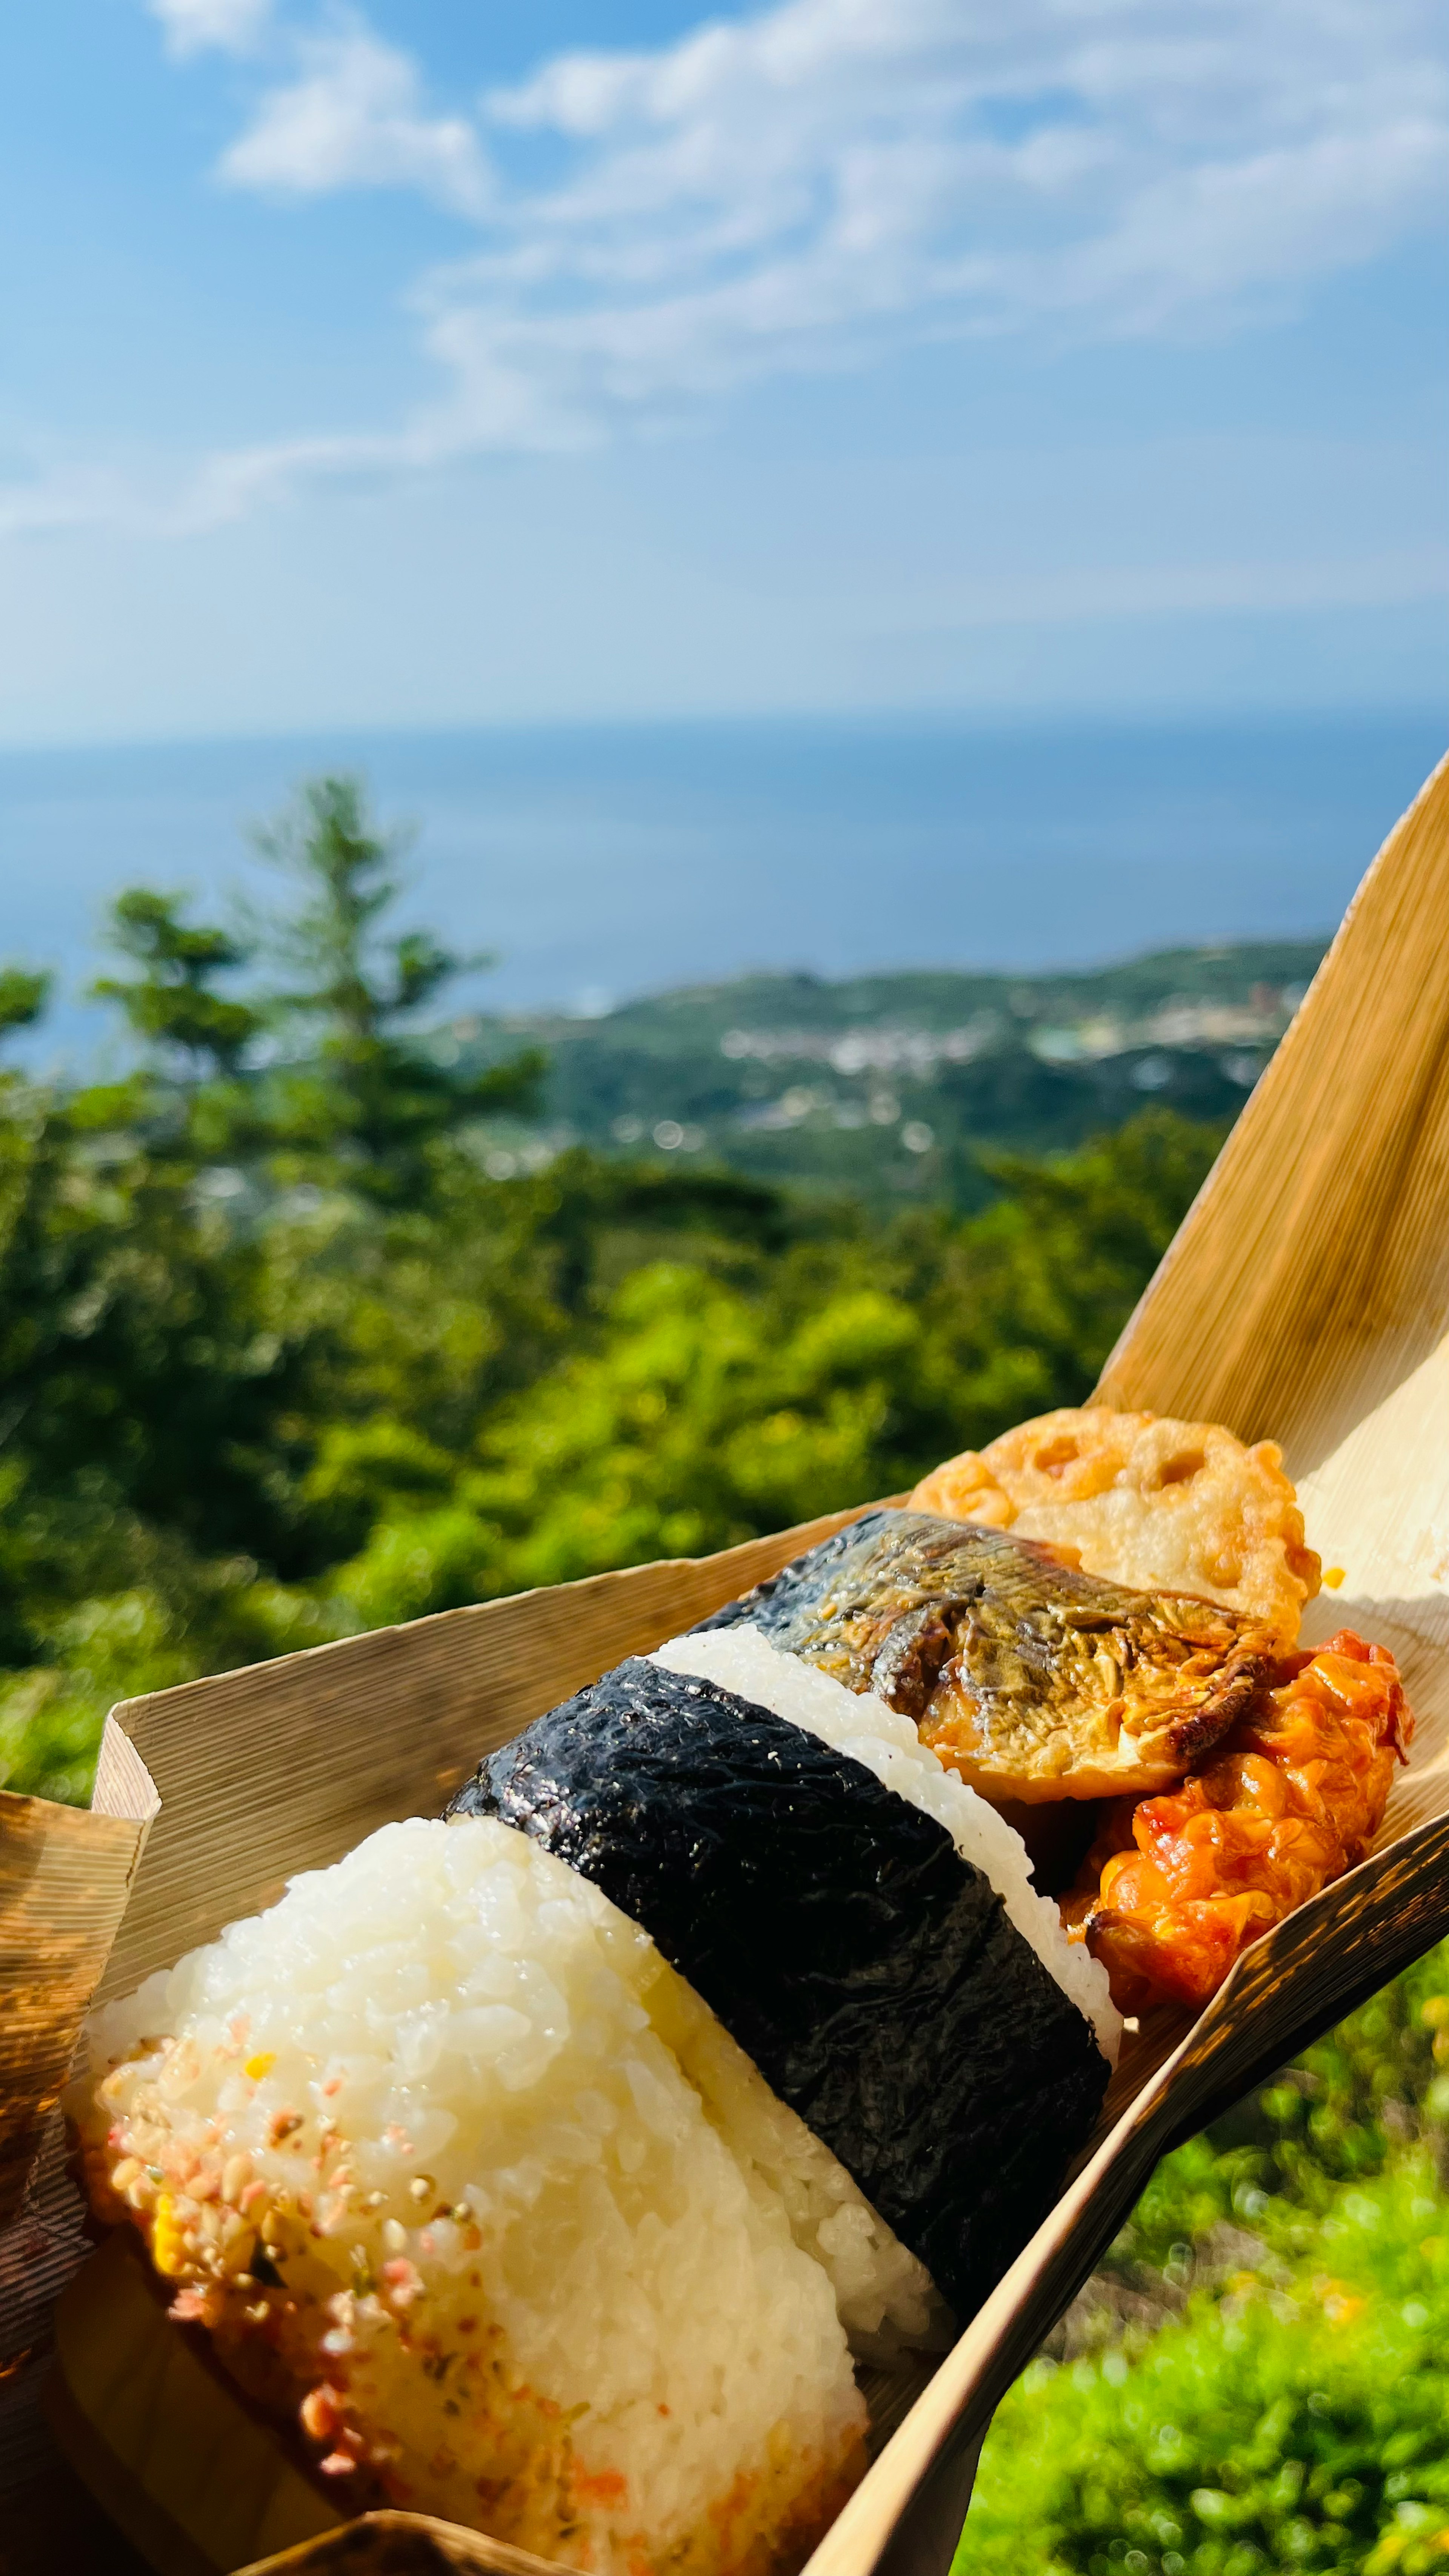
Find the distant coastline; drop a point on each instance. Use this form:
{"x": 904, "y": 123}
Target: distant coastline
{"x": 887, "y": 1088}
{"x": 601, "y": 863}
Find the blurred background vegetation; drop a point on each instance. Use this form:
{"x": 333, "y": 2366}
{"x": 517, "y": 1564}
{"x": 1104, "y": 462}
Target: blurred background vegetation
{"x": 291, "y": 1346}
{"x": 326, "y": 1311}
{"x": 1258, "y": 2378}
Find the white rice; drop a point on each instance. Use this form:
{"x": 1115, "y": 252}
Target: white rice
{"x": 744, "y": 1661}
{"x": 527, "y": 2280}
{"x": 885, "y": 2297}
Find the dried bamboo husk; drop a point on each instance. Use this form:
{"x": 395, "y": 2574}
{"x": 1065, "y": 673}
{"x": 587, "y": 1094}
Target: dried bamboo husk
{"x": 65, "y": 1874}
{"x": 1306, "y": 1298}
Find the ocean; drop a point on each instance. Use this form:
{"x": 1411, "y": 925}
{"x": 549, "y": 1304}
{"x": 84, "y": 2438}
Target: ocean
{"x": 599, "y": 863}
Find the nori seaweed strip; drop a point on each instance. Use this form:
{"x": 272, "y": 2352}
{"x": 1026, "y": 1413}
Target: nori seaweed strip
{"x": 869, "y": 1971}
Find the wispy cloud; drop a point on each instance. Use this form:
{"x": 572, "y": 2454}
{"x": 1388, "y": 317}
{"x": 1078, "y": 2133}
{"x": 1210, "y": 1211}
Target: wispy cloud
{"x": 200, "y": 26}
{"x": 352, "y": 116}
{"x": 805, "y": 187}
{"x": 809, "y": 187}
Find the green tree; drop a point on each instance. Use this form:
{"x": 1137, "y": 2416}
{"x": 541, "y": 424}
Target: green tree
{"x": 236, "y": 1415}
{"x": 145, "y": 1390}
{"x": 23, "y": 996}
{"x": 364, "y": 1098}
{"x": 709, "y": 1398}
{"x": 171, "y": 1004}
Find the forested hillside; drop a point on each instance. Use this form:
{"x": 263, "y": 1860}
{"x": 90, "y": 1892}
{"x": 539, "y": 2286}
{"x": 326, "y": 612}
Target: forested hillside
{"x": 281, "y": 1359}
{"x": 890, "y": 1086}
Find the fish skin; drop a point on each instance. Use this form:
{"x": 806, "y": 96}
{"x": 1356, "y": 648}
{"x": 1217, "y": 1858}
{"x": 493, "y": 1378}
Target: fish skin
{"x": 1031, "y": 1678}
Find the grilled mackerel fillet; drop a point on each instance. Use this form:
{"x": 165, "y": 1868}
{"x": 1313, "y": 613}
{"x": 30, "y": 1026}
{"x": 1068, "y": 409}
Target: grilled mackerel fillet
{"x": 1033, "y": 1680}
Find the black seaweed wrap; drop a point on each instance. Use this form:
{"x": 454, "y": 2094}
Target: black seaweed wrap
{"x": 870, "y": 1972}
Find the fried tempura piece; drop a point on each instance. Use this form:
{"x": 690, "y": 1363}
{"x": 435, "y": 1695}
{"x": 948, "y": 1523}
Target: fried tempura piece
{"x": 1174, "y": 1888}
{"x": 1162, "y": 1505}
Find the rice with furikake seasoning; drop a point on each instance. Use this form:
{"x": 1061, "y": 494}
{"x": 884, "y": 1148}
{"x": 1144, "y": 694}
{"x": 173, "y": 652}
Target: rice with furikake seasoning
{"x": 418, "y": 2147}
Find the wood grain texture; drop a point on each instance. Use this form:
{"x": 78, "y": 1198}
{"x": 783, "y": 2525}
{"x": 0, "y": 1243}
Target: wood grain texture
{"x": 187, "y": 2473}
{"x": 65, "y": 1875}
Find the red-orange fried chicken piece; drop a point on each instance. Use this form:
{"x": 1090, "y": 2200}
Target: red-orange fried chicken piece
{"x": 1175, "y": 1887}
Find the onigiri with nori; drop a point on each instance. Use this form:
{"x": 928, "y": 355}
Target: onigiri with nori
{"x": 552, "y": 2164}
{"x": 411, "y": 2146}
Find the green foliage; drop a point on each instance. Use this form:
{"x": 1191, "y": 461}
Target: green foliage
{"x": 1299, "y": 2419}
{"x": 1296, "y": 2413}
{"x": 362, "y": 1103}
{"x": 278, "y": 1361}
{"x": 1352, "y": 2102}
{"x": 237, "y": 1434}
{"x": 701, "y": 1401}
{"x": 171, "y": 1003}
{"x": 23, "y": 997}
{"x": 1025, "y": 1302}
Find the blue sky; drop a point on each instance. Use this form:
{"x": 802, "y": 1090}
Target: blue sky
{"x": 444, "y": 363}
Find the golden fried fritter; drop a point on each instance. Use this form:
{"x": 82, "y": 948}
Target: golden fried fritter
{"x": 1144, "y": 1500}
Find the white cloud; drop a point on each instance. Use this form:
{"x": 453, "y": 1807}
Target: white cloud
{"x": 812, "y": 186}
{"x": 802, "y": 188}
{"x": 353, "y": 117}
{"x": 193, "y": 26}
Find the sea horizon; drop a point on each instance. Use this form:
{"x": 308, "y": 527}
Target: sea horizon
{"x": 605, "y": 861}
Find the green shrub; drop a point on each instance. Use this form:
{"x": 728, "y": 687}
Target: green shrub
{"x": 1296, "y": 2414}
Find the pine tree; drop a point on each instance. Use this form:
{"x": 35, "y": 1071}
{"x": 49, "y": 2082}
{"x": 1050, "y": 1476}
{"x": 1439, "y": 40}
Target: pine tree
{"x": 363, "y": 1096}
{"x": 171, "y": 1004}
